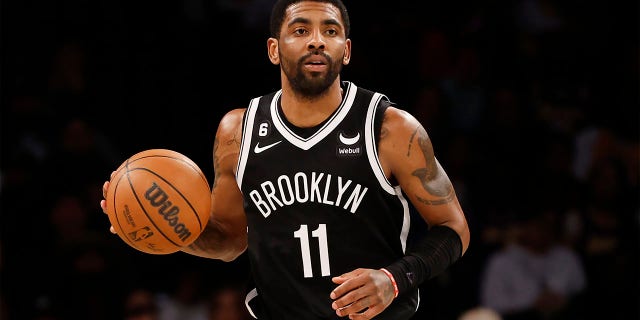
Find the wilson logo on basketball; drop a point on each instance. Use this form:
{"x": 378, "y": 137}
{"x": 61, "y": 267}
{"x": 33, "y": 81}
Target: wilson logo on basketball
{"x": 159, "y": 199}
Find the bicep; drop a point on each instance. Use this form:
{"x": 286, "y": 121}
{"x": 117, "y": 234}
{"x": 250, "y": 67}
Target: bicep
{"x": 425, "y": 182}
{"x": 226, "y": 198}
{"x": 411, "y": 161}
{"x": 225, "y": 236}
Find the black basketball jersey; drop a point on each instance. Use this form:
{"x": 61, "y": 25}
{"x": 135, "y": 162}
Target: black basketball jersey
{"x": 318, "y": 206}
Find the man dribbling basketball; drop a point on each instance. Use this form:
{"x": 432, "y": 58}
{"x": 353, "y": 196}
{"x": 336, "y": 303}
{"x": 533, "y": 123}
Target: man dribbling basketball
{"x": 313, "y": 181}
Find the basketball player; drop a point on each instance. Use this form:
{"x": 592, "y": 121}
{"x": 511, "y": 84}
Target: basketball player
{"x": 314, "y": 181}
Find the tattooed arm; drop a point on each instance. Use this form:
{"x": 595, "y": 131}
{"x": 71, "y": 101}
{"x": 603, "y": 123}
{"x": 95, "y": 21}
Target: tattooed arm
{"x": 407, "y": 156}
{"x": 225, "y": 236}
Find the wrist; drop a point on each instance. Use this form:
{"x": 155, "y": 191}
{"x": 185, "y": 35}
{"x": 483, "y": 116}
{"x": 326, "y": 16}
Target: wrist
{"x": 393, "y": 282}
{"x": 403, "y": 274}
{"x": 427, "y": 258}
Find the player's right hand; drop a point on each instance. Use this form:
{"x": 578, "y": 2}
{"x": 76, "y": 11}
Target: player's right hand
{"x": 103, "y": 202}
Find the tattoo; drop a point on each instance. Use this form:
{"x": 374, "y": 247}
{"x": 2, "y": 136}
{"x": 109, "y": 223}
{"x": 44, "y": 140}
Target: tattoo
{"x": 216, "y": 157}
{"x": 445, "y": 200}
{"x": 433, "y": 180}
{"x": 237, "y": 138}
{"x": 411, "y": 141}
{"x": 216, "y": 163}
{"x": 208, "y": 239}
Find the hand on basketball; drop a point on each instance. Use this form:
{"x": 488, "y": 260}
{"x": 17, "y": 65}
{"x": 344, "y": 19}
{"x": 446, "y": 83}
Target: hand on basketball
{"x": 103, "y": 202}
{"x": 361, "y": 293}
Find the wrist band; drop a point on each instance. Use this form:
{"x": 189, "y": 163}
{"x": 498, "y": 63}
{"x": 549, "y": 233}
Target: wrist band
{"x": 393, "y": 282}
{"x": 426, "y": 258}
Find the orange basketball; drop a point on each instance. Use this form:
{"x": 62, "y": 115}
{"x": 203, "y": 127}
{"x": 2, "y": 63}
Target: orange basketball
{"x": 158, "y": 201}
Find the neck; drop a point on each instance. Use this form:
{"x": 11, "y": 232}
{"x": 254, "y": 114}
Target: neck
{"x": 307, "y": 112}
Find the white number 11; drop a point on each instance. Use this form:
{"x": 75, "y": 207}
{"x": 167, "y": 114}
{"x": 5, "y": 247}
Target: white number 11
{"x": 321, "y": 234}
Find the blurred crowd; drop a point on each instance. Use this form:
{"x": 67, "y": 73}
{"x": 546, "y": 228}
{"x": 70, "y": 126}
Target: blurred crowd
{"x": 531, "y": 105}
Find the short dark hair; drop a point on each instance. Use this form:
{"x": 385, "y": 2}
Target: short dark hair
{"x": 279, "y": 9}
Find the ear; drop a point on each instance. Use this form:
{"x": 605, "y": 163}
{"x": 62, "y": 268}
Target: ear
{"x": 272, "y": 51}
{"x": 347, "y": 52}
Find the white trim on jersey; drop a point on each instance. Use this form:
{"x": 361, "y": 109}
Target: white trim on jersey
{"x": 327, "y": 128}
{"x": 250, "y": 296}
{"x": 372, "y": 149}
{"x": 406, "y": 218}
{"x": 245, "y": 145}
{"x": 376, "y": 167}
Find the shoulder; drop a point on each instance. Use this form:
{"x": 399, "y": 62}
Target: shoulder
{"x": 397, "y": 118}
{"x": 231, "y": 122}
{"x": 233, "y": 116}
{"x": 227, "y": 141}
{"x": 399, "y": 125}
{"x": 398, "y": 132}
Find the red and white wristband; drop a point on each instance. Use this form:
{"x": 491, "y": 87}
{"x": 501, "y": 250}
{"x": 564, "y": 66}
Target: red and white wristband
{"x": 393, "y": 281}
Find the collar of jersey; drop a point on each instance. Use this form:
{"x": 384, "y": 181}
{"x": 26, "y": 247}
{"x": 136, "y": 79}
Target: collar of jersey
{"x": 307, "y": 143}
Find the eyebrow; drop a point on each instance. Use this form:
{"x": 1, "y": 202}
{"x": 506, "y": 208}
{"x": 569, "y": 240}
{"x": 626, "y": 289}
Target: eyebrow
{"x": 307, "y": 21}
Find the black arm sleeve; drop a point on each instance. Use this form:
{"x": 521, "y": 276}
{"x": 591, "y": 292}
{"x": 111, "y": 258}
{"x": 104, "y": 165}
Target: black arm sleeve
{"x": 433, "y": 254}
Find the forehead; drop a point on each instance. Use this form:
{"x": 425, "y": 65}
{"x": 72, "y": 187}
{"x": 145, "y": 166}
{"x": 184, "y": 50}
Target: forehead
{"x": 310, "y": 9}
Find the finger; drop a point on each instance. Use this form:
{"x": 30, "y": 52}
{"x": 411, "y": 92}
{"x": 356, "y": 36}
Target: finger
{"x": 347, "y": 282}
{"x": 348, "y": 299}
{"x": 350, "y": 309}
{"x": 105, "y": 187}
{"x": 113, "y": 173}
{"x": 112, "y": 230}
{"x": 103, "y": 205}
{"x": 356, "y": 289}
{"x": 358, "y": 306}
{"x": 371, "y": 312}
{"x": 355, "y": 300}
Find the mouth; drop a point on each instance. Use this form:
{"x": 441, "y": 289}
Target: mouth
{"x": 316, "y": 64}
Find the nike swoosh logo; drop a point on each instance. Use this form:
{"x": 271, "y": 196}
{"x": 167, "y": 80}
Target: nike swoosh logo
{"x": 259, "y": 149}
{"x": 349, "y": 141}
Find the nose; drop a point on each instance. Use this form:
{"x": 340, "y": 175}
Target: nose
{"x": 316, "y": 41}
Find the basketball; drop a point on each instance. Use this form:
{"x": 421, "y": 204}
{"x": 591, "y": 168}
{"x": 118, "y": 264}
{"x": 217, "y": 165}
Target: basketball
{"x": 158, "y": 201}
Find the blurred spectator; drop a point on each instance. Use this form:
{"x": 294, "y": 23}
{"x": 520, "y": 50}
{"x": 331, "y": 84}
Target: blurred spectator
{"x": 480, "y": 313}
{"x": 227, "y": 303}
{"x": 80, "y": 263}
{"x": 538, "y": 16}
{"x": 435, "y": 61}
{"x": 140, "y": 304}
{"x": 431, "y": 109}
{"x": 185, "y": 300}
{"x": 534, "y": 277}
{"x": 463, "y": 88}
{"x": 68, "y": 71}
{"x": 80, "y": 158}
{"x": 610, "y": 243}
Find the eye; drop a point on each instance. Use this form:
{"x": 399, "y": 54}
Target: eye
{"x": 332, "y": 32}
{"x": 300, "y": 31}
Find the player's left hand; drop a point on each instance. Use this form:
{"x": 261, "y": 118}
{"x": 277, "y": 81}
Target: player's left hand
{"x": 361, "y": 293}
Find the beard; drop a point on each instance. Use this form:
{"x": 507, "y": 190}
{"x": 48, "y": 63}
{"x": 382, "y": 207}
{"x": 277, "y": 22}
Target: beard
{"x": 314, "y": 84}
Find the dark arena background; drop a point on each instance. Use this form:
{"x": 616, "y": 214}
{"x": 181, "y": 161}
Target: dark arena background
{"x": 531, "y": 105}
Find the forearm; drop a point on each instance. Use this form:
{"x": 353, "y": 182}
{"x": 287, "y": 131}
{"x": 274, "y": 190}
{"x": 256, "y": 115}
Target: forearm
{"x": 429, "y": 257}
{"x": 214, "y": 243}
